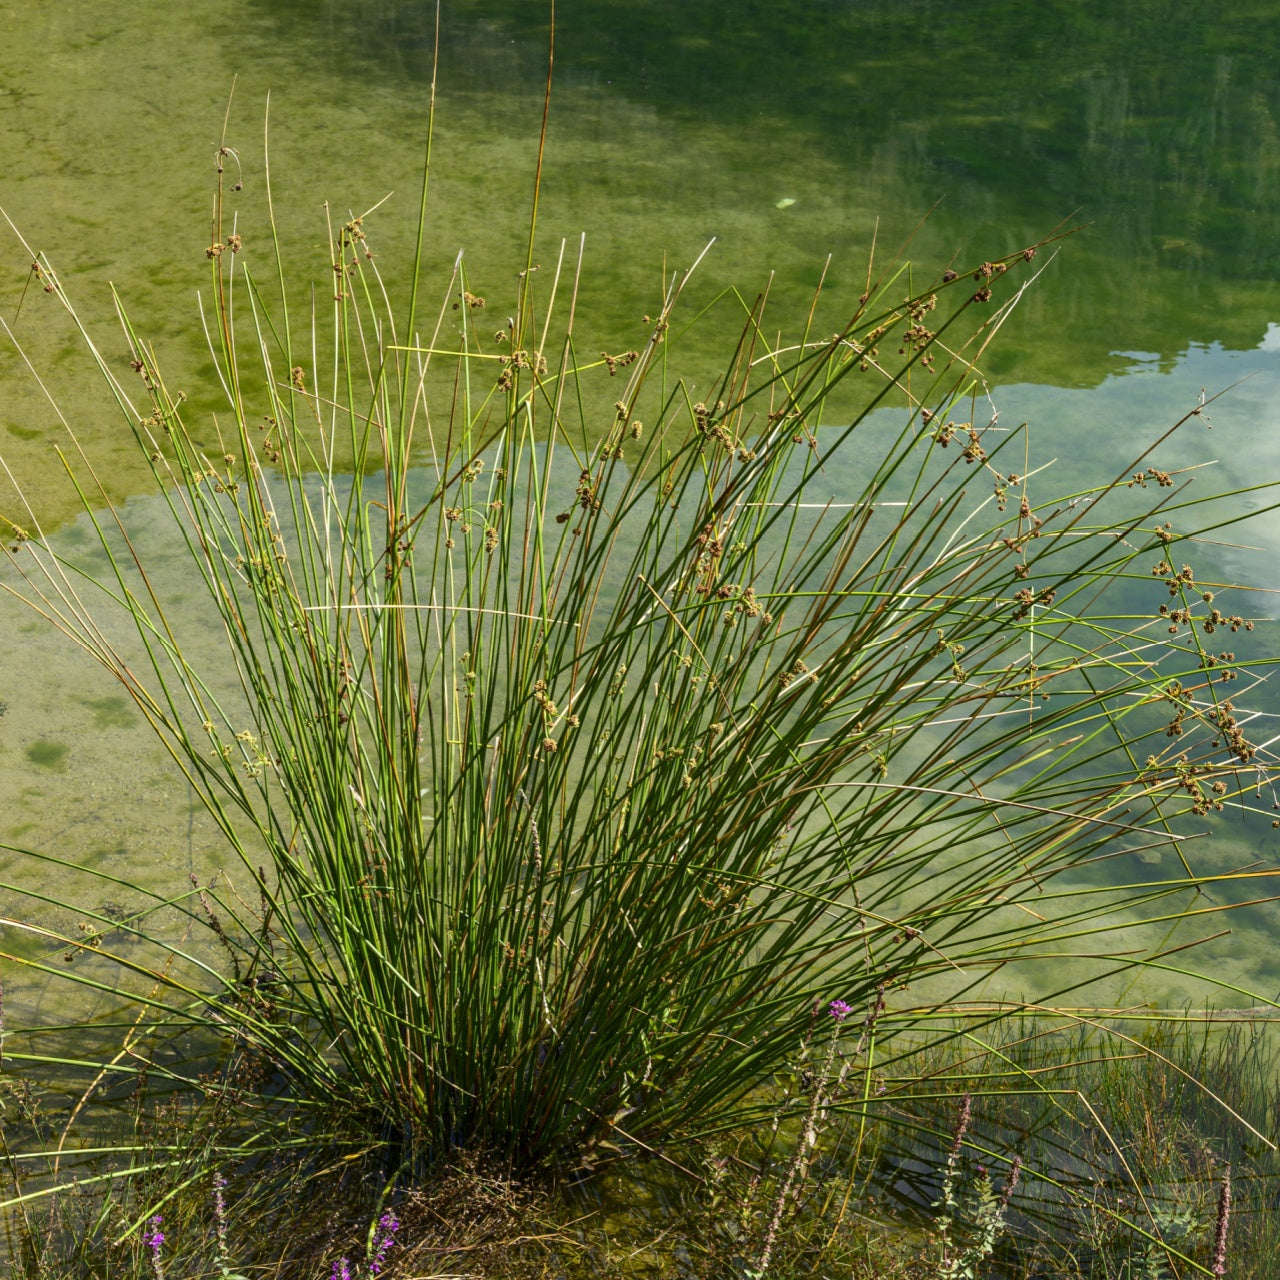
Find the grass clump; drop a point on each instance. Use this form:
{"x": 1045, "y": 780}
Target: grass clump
{"x": 587, "y": 745}
{"x": 1146, "y": 1144}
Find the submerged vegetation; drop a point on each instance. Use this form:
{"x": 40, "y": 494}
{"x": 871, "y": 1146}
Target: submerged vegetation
{"x": 617, "y": 758}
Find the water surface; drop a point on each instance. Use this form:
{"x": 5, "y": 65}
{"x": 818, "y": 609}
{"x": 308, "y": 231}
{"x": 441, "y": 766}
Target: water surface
{"x": 791, "y": 134}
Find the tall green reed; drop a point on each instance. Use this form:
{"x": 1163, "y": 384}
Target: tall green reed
{"x": 582, "y": 728}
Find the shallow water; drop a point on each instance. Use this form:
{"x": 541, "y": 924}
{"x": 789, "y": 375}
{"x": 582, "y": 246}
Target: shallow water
{"x": 82, "y": 776}
{"x": 799, "y": 132}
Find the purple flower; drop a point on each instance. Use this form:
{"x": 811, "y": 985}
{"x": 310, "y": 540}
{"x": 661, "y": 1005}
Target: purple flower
{"x": 962, "y": 1127}
{"x": 389, "y": 1225}
{"x": 1015, "y": 1172}
{"x": 839, "y": 1010}
{"x": 220, "y": 1213}
{"x": 341, "y": 1271}
{"x": 153, "y": 1239}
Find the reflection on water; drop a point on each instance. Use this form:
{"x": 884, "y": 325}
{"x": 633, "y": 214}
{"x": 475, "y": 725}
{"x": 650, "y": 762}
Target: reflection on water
{"x": 806, "y": 132}
{"x": 785, "y": 135}
{"x": 81, "y": 773}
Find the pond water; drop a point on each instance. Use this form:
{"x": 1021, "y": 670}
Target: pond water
{"x": 786, "y": 131}
{"x": 790, "y": 133}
